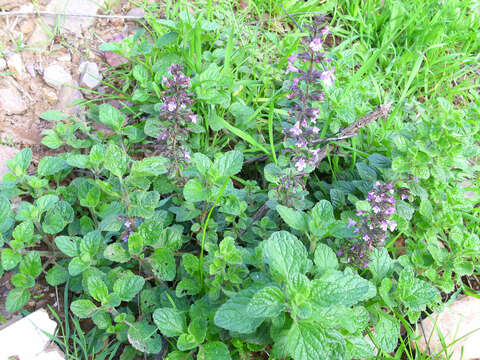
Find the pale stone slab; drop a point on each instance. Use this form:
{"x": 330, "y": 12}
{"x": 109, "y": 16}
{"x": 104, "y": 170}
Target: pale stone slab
{"x": 25, "y": 340}
{"x": 459, "y": 323}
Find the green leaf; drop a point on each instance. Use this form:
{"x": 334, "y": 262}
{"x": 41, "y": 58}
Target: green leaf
{"x": 128, "y": 286}
{"x": 52, "y": 141}
{"x": 46, "y": 202}
{"x": 10, "y": 259}
{"x": 359, "y": 348}
{"x": 20, "y": 163}
{"x": 187, "y": 342}
{"x": 23, "y": 232}
{"x": 416, "y": 294}
{"x": 135, "y": 244}
{"x": 116, "y": 160}
{"x": 144, "y": 337}
{"x": 366, "y": 172}
{"x": 91, "y": 243}
{"x": 97, "y": 154}
{"x": 233, "y": 314}
{"x": 77, "y": 266}
{"x": 51, "y": 165}
{"x": 296, "y": 219}
{"x": 67, "y": 246}
{"x": 170, "y": 321}
{"x": 404, "y": 210}
{"x": 111, "y": 116}
{"x": 426, "y": 208}
{"x": 56, "y": 276}
{"x": 31, "y": 264}
{"x": 341, "y": 289}
{"x": 380, "y": 264}
{"x": 309, "y": 342}
{"x": 97, "y": 288}
{"x": 16, "y": 299}
{"x": 285, "y": 254}
{"x": 229, "y": 163}
{"x": 143, "y": 204}
{"x": 78, "y": 160}
{"x": 163, "y": 264}
{"x": 116, "y": 252}
{"x": 57, "y": 217}
{"x": 20, "y": 280}
{"x": 83, "y": 308}
{"x": 53, "y": 115}
{"x": 214, "y": 350}
{"x": 195, "y": 190}
{"x": 325, "y": 258}
{"x": 321, "y": 218}
{"x": 140, "y": 73}
{"x": 387, "y": 332}
{"x": 268, "y": 302}
{"x": 152, "y": 166}
{"x": 202, "y": 163}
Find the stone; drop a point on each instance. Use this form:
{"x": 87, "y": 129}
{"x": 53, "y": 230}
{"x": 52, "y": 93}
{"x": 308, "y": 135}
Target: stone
{"x": 11, "y": 101}
{"x": 6, "y": 153}
{"x": 3, "y": 64}
{"x": 90, "y": 77}
{"x": 458, "y": 325}
{"x": 31, "y": 329}
{"x": 137, "y": 12}
{"x": 31, "y": 70}
{"x": 56, "y": 76}
{"x": 27, "y": 26}
{"x": 50, "y": 95}
{"x": 15, "y": 65}
{"x": 67, "y": 95}
{"x": 75, "y": 24}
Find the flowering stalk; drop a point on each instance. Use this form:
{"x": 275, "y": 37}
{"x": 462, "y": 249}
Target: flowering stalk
{"x": 305, "y": 91}
{"x": 176, "y": 114}
{"x": 372, "y": 227}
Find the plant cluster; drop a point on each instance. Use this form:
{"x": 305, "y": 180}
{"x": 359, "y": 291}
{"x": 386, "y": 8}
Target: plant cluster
{"x": 174, "y": 242}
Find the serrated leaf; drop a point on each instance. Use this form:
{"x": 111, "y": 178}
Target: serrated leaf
{"x": 163, "y": 264}
{"x": 129, "y": 286}
{"x": 16, "y": 299}
{"x": 56, "y": 276}
{"x": 77, "y": 266}
{"x": 116, "y": 252}
{"x": 268, "y": 302}
{"x": 144, "y": 337}
{"x": 31, "y": 264}
{"x": 67, "y": 246}
{"x": 53, "y": 115}
{"x": 233, "y": 314}
{"x": 83, "y": 308}
{"x": 116, "y": 160}
{"x": 97, "y": 288}
{"x": 152, "y": 166}
{"x": 387, "y": 332}
{"x": 341, "y": 289}
{"x": 285, "y": 254}
{"x": 111, "y": 116}
{"x": 195, "y": 190}
{"x": 309, "y": 342}
{"x": 325, "y": 258}
{"x": 415, "y": 293}
{"x": 170, "y": 321}
{"x": 296, "y": 219}
{"x": 214, "y": 350}
{"x": 10, "y": 259}
{"x": 380, "y": 264}
{"x": 229, "y": 163}
{"x": 51, "y": 165}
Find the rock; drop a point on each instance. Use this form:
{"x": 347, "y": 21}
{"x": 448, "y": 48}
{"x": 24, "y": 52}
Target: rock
{"x": 112, "y": 58}
{"x": 3, "y": 64}
{"x": 50, "y": 95}
{"x": 67, "y": 95}
{"x": 6, "y": 153}
{"x": 77, "y": 24}
{"x": 31, "y": 329}
{"x": 458, "y": 325}
{"x": 15, "y": 65}
{"x": 31, "y": 70}
{"x": 90, "y": 77}
{"x": 56, "y": 76}
{"x": 65, "y": 58}
{"x": 27, "y": 26}
{"x": 11, "y": 101}
{"x": 137, "y": 12}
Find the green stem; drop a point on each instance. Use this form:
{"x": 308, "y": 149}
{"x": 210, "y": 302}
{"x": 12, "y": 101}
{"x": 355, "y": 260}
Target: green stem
{"x": 204, "y": 234}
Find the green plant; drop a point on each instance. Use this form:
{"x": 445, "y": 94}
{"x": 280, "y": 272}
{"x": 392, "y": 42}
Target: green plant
{"x": 186, "y": 229}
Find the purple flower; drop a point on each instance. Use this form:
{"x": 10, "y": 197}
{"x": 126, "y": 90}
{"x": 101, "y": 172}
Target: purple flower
{"x": 351, "y": 223}
{"x": 328, "y": 76}
{"x": 301, "y": 164}
{"x": 316, "y": 44}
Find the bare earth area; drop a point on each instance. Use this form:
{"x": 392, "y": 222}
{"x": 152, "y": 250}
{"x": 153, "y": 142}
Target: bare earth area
{"x": 49, "y": 62}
